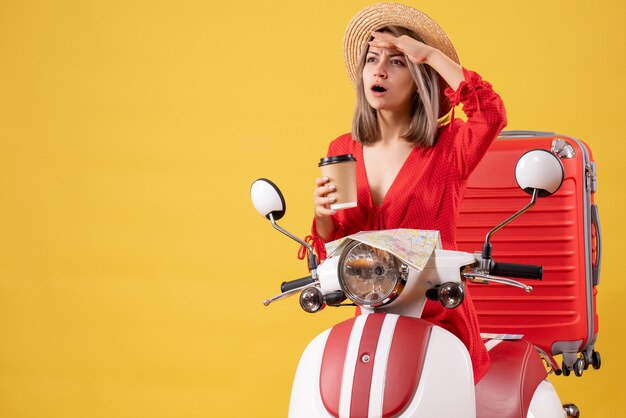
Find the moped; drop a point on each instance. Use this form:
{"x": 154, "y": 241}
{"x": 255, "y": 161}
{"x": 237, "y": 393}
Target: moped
{"x": 387, "y": 361}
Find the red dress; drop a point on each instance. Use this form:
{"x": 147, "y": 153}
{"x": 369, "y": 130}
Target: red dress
{"x": 427, "y": 192}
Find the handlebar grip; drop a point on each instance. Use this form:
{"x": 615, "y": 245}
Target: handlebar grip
{"x": 294, "y": 284}
{"x": 519, "y": 271}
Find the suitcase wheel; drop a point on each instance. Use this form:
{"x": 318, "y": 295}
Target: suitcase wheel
{"x": 596, "y": 360}
{"x": 586, "y": 359}
{"x": 566, "y": 370}
{"x": 579, "y": 366}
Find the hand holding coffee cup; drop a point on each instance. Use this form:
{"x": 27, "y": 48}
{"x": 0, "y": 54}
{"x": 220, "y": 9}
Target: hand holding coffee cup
{"x": 340, "y": 170}
{"x": 322, "y": 201}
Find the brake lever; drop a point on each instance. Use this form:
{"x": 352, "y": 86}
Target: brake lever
{"x": 477, "y": 277}
{"x": 288, "y": 293}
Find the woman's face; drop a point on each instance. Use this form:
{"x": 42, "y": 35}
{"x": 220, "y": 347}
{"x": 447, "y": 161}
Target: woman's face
{"x": 387, "y": 81}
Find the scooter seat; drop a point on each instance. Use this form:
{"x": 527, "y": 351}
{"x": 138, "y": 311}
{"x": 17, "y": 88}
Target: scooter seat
{"x": 506, "y": 390}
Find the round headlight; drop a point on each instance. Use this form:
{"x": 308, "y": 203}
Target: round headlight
{"x": 369, "y": 276}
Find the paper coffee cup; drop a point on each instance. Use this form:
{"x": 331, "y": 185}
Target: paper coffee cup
{"x": 341, "y": 170}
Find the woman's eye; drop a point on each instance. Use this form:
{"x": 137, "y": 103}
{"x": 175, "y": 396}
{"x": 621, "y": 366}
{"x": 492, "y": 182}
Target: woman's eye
{"x": 397, "y": 62}
{"x": 371, "y": 59}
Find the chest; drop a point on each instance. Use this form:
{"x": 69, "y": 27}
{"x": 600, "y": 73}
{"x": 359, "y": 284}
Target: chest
{"x": 383, "y": 165}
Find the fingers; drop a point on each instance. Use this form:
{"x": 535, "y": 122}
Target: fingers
{"x": 404, "y": 44}
{"x": 384, "y": 37}
{"x": 322, "y": 188}
{"x": 320, "y": 181}
{"x": 322, "y": 205}
{"x": 383, "y": 40}
{"x": 322, "y": 201}
{"x": 322, "y": 211}
{"x": 382, "y": 44}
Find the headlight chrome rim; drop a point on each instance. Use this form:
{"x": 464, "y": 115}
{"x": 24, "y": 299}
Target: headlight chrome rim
{"x": 312, "y": 300}
{"x": 394, "y": 290}
{"x": 451, "y": 294}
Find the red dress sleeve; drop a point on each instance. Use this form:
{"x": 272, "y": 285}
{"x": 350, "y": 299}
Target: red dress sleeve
{"x": 486, "y": 117}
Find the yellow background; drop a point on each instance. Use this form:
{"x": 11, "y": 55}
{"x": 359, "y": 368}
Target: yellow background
{"x": 132, "y": 264}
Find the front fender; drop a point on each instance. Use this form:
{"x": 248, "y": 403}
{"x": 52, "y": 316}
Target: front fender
{"x": 384, "y": 365}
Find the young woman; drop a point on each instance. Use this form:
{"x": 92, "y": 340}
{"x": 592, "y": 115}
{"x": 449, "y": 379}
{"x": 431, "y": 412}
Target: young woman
{"x": 412, "y": 161}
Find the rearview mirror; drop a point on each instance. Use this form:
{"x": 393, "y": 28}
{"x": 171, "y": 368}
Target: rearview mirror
{"x": 539, "y": 170}
{"x": 539, "y": 173}
{"x": 270, "y": 203}
{"x": 267, "y": 199}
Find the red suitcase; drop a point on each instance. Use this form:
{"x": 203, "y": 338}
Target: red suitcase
{"x": 561, "y": 232}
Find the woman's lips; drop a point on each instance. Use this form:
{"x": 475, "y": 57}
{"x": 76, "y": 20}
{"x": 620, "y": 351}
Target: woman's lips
{"x": 378, "y": 90}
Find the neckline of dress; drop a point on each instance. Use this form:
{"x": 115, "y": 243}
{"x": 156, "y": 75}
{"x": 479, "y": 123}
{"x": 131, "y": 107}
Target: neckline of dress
{"x": 393, "y": 183}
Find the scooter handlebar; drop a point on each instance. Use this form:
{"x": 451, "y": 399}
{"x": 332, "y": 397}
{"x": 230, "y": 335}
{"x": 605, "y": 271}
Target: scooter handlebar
{"x": 519, "y": 271}
{"x": 294, "y": 284}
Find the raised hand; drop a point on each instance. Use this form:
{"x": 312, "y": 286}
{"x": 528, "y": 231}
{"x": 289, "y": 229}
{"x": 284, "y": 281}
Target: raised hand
{"x": 415, "y": 50}
{"x": 420, "y": 53}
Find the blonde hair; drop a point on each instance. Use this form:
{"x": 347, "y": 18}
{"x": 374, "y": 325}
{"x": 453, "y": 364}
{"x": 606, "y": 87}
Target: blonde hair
{"x": 422, "y": 129}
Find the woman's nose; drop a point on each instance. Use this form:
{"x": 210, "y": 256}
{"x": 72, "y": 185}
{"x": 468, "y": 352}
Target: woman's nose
{"x": 380, "y": 70}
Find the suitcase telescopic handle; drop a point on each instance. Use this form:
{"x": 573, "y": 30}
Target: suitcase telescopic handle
{"x": 519, "y": 271}
{"x": 524, "y": 134}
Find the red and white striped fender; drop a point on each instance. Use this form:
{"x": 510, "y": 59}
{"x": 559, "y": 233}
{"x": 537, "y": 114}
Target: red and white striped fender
{"x": 415, "y": 370}
{"x": 372, "y": 364}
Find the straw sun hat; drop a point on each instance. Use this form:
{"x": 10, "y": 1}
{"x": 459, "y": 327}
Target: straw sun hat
{"x": 379, "y": 15}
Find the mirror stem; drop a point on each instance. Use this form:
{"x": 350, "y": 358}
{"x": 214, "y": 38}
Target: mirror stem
{"x": 312, "y": 257}
{"x": 486, "y": 255}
